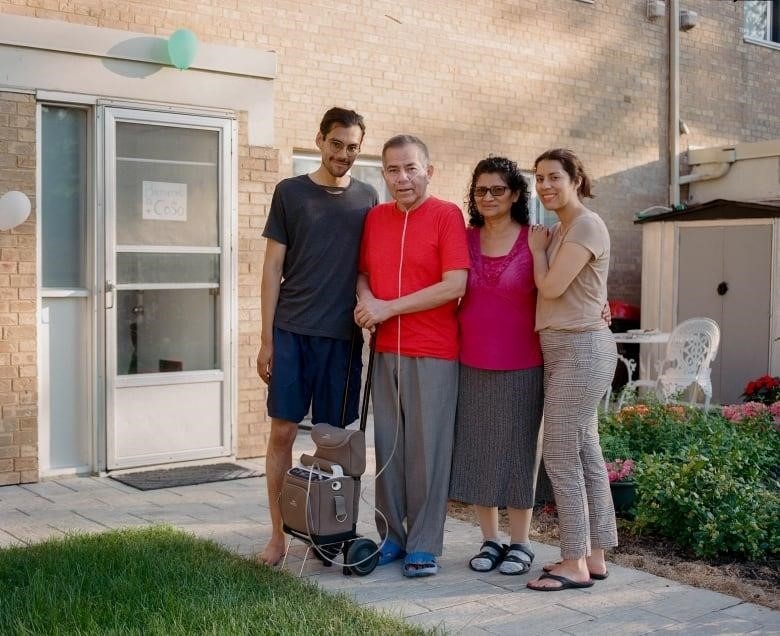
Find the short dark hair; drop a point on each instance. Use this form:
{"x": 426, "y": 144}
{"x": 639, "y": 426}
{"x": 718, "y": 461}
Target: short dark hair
{"x": 337, "y": 116}
{"x": 510, "y": 173}
{"x": 572, "y": 165}
{"x": 406, "y": 140}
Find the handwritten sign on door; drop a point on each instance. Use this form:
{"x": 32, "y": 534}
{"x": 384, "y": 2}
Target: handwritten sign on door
{"x": 164, "y": 201}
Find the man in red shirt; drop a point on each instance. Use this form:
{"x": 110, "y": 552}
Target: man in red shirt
{"x": 414, "y": 265}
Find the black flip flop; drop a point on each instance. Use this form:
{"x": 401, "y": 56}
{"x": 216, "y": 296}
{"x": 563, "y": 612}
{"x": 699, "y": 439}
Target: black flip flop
{"x": 593, "y": 575}
{"x": 566, "y": 584}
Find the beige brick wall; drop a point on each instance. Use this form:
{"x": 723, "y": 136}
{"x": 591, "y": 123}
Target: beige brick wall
{"x": 510, "y": 77}
{"x": 258, "y": 171}
{"x": 18, "y": 371}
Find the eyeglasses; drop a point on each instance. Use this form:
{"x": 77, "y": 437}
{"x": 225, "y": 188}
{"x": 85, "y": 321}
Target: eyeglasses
{"x": 496, "y": 191}
{"x": 336, "y": 147}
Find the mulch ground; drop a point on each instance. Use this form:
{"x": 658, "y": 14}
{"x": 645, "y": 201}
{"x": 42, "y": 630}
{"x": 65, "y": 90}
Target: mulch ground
{"x": 751, "y": 581}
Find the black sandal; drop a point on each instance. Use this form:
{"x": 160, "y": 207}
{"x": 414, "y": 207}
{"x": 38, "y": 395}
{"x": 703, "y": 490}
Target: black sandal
{"x": 491, "y": 552}
{"x": 517, "y": 559}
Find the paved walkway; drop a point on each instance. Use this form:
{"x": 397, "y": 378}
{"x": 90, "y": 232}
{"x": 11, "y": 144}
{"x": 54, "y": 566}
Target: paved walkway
{"x": 234, "y": 513}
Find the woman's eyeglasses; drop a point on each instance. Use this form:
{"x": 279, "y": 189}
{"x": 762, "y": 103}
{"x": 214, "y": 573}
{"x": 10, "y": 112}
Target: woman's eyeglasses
{"x": 495, "y": 191}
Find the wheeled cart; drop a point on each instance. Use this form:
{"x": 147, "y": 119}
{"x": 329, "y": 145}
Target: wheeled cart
{"x": 321, "y": 495}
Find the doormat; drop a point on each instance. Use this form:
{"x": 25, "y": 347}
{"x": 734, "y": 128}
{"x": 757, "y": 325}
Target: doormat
{"x": 185, "y": 476}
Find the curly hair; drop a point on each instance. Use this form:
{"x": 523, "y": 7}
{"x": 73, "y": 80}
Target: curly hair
{"x": 510, "y": 173}
{"x": 572, "y": 165}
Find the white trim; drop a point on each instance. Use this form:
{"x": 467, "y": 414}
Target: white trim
{"x": 167, "y": 249}
{"x": 167, "y": 286}
{"x": 52, "y": 292}
{"x": 171, "y": 162}
{"x": 116, "y": 44}
{"x": 158, "y": 379}
{"x": 770, "y": 44}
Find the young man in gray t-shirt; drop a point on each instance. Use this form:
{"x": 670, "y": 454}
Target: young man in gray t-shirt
{"x": 309, "y": 346}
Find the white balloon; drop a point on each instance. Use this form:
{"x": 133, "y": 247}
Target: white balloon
{"x": 14, "y": 209}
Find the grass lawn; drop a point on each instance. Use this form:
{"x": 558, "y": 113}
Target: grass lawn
{"x": 162, "y": 581}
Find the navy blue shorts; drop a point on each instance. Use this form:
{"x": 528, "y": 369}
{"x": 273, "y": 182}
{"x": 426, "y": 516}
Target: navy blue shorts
{"x": 312, "y": 371}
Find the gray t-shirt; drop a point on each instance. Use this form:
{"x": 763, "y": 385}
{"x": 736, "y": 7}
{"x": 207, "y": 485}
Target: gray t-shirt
{"x": 321, "y": 228}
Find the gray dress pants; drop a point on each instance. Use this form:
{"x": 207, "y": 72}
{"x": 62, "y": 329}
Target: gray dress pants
{"x": 413, "y": 434}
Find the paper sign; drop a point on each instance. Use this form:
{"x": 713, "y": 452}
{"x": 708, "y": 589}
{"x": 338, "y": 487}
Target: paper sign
{"x": 164, "y": 201}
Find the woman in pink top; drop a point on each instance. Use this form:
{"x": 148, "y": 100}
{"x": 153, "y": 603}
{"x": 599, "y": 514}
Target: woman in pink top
{"x": 500, "y": 394}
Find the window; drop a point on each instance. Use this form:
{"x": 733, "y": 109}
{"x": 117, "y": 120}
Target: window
{"x": 64, "y": 145}
{"x": 364, "y": 169}
{"x": 537, "y": 213}
{"x": 762, "y": 20}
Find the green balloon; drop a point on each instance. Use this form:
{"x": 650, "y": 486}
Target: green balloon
{"x": 182, "y": 46}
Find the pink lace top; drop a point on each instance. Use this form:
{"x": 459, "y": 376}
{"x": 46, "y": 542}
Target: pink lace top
{"x": 497, "y": 315}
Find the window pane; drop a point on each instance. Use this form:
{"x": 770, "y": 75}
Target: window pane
{"x": 163, "y": 330}
{"x": 757, "y": 19}
{"x": 63, "y": 197}
{"x": 167, "y": 185}
{"x": 364, "y": 170}
{"x": 167, "y": 268}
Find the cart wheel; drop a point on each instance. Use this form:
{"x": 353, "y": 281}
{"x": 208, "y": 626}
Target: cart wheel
{"x": 364, "y": 553}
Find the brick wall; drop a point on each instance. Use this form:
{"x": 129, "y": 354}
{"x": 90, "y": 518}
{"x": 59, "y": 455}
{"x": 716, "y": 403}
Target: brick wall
{"x": 18, "y": 372}
{"x": 258, "y": 172}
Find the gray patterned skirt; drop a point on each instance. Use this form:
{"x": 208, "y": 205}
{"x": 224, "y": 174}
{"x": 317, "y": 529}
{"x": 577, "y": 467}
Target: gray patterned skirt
{"x": 496, "y": 431}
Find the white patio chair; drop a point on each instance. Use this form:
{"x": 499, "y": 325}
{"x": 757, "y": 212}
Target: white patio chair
{"x": 692, "y": 346}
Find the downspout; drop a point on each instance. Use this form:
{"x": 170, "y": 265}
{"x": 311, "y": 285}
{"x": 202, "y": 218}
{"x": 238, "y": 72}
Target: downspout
{"x": 674, "y": 103}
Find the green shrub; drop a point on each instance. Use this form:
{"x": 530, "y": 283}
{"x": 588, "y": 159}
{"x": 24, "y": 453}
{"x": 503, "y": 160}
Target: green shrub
{"x": 708, "y": 506}
{"x": 709, "y": 484}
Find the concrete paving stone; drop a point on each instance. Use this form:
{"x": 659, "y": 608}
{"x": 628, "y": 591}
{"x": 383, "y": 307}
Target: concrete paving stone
{"x": 690, "y": 603}
{"x": 521, "y": 601}
{"x": 769, "y": 619}
{"x": 455, "y": 619}
{"x": 48, "y": 489}
{"x": 29, "y": 534}
{"x": 10, "y": 495}
{"x": 9, "y": 541}
{"x": 115, "y": 519}
{"x": 70, "y": 522}
{"x": 604, "y": 600}
{"x": 457, "y": 594}
{"x": 626, "y": 621}
{"x": 712, "y": 624}
{"x": 540, "y": 620}
{"x": 398, "y": 609}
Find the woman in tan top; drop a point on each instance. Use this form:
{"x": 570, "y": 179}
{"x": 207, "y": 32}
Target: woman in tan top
{"x": 571, "y": 262}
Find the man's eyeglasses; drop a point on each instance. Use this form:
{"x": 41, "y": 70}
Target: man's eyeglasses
{"x": 496, "y": 191}
{"x": 336, "y": 147}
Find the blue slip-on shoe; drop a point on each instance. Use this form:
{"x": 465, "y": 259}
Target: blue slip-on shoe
{"x": 390, "y": 551}
{"x": 420, "y": 564}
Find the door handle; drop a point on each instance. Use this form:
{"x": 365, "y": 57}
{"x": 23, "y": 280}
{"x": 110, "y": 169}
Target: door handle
{"x": 109, "y": 294}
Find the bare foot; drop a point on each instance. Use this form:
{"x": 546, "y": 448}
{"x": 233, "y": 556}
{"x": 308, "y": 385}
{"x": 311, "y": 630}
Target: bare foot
{"x": 273, "y": 553}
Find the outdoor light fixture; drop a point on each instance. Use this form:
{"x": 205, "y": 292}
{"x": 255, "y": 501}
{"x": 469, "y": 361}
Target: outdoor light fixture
{"x": 15, "y": 207}
{"x": 688, "y": 19}
{"x": 655, "y": 9}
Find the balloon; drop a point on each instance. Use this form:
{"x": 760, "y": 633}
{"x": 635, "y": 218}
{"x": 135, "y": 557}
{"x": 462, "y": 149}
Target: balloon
{"x": 14, "y": 209}
{"x": 182, "y": 46}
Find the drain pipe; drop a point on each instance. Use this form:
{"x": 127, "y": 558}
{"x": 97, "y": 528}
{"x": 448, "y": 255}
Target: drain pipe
{"x": 674, "y": 103}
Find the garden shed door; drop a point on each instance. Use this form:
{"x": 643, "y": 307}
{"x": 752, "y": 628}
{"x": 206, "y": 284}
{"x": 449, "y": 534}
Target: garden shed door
{"x": 724, "y": 273}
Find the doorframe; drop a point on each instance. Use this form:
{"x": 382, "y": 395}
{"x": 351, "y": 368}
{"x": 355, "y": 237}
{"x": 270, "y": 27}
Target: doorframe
{"x": 228, "y": 196}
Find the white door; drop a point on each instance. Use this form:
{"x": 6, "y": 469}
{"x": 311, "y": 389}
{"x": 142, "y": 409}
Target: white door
{"x": 167, "y": 200}
{"x": 724, "y": 274}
